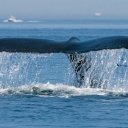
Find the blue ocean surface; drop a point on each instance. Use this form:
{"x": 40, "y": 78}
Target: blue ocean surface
{"x": 39, "y": 90}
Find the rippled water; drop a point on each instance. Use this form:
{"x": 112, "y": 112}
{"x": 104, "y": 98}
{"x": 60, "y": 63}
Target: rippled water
{"x": 39, "y": 90}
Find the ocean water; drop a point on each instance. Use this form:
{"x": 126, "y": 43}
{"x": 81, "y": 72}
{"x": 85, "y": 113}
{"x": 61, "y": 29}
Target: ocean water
{"x": 39, "y": 90}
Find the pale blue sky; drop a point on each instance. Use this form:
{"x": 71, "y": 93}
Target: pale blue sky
{"x": 64, "y": 9}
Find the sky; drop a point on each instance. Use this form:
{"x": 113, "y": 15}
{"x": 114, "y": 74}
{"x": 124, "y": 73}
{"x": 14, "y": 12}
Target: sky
{"x": 64, "y": 9}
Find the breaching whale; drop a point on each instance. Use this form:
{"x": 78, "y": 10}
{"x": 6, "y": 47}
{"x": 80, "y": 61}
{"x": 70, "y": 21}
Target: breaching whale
{"x": 73, "y": 48}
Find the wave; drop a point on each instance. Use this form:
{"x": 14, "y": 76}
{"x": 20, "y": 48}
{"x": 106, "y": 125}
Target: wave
{"x": 61, "y": 90}
{"x": 33, "y": 21}
{"x": 16, "y": 21}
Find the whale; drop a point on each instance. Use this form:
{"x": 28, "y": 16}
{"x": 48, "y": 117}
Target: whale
{"x": 73, "y": 45}
{"x": 72, "y": 48}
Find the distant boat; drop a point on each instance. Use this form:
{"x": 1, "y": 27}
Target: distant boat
{"x": 97, "y": 14}
{"x": 13, "y": 19}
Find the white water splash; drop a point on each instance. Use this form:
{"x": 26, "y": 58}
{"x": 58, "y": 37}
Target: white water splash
{"x": 51, "y": 90}
{"x": 60, "y": 90}
{"x": 107, "y": 75}
{"x": 108, "y": 69}
{"x": 24, "y": 68}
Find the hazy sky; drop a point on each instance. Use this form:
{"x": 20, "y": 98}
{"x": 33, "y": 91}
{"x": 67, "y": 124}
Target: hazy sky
{"x": 64, "y": 9}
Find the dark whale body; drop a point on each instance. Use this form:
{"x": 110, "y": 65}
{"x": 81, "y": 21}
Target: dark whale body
{"x": 73, "y": 45}
{"x": 72, "y": 48}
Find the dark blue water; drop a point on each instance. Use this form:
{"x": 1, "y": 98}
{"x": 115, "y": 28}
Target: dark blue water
{"x": 38, "y": 90}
